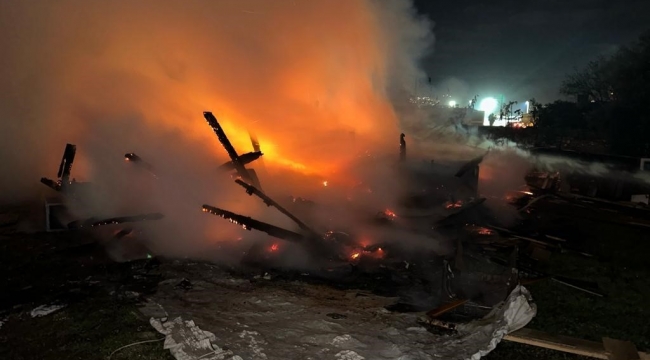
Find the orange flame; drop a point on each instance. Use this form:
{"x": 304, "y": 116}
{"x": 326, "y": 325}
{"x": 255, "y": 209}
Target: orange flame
{"x": 302, "y": 99}
{"x": 485, "y": 231}
{"x": 454, "y": 205}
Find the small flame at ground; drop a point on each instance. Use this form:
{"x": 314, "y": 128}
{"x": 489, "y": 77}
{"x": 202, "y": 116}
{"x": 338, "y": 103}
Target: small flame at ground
{"x": 325, "y": 183}
{"x": 274, "y": 247}
{"x": 485, "y": 231}
{"x": 355, "y": 256}
{"x": 454, "y": 205}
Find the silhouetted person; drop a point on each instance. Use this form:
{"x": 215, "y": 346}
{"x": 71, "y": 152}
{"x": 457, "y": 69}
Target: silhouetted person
{"x": 402, "y": 147}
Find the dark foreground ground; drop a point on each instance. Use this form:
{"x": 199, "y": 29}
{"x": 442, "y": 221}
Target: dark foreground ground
{"x": 101, "y": 315}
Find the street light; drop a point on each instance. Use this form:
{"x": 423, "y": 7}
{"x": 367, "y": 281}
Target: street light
{"x": 452, "y": 103}
{"x": 489, "y": 105}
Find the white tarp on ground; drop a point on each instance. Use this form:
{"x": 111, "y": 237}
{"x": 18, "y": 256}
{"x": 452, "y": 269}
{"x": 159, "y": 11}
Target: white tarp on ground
{"x": 45, "y": 310}
{"x": 281, "y": 320}
{"x": 482, "y": 336}
{"x": 186, "y": 341}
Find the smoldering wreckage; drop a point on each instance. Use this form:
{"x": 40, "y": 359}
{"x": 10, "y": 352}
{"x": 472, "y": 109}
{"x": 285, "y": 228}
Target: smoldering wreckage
{"x": 357, "y": 299}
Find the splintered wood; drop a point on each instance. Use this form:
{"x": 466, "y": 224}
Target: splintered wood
{"x": 610, "y": 349}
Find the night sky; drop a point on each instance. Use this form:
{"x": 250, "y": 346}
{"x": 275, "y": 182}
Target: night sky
{"x": 523, "y": 49}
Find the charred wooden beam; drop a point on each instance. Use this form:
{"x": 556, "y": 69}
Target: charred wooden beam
{"x": 65, "y": 168}
{"x": 135, "y": 159}
{"x": 51, "y": 183}
{"x": 244, "y": 159}
{"x": 66, "y": 164}
{"x": 250, "y": 190}
{"x": 93, "y": 222}
{"x": 237, "y": 162}
{"x": 249, "y": 223}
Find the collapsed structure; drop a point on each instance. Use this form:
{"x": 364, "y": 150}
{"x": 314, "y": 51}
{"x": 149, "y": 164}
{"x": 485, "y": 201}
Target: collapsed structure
{"x": 57, "y": 213}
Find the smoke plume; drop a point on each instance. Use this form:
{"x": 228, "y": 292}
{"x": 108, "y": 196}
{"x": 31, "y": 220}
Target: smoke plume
{"x": 314, "y": 80}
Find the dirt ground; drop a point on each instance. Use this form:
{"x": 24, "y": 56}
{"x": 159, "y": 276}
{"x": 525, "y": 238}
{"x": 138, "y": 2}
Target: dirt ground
{"x": 100, "y": 296}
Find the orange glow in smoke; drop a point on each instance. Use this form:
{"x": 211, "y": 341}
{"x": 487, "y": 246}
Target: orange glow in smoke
{"x": 389, "y": 213}
{"x": 254, "y": 64}
{"x": 274, "y": 247}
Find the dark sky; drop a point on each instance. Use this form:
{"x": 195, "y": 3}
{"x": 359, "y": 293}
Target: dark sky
{"x": 524, "y": 49}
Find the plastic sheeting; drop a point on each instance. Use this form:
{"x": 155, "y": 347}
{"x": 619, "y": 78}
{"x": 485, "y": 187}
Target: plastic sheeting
{"x": 186, "y": 341}
{"x": 269, "y": 320}
{"x": 482, "y": 336}
{"x": 45, "y": 310}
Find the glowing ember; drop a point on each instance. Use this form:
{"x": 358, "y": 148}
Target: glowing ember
{"x": 355, "y": 256}
{"x": 325, "y": 183}
{"x": 454, "y": 205}
{"x": 485, "y": 231}
{"x": 390, "y": 213}
{"x": 274, "y": 247}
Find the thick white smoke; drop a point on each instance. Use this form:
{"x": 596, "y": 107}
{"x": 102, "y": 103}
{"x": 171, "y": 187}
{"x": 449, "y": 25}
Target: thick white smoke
{"x": 313, "y": 79}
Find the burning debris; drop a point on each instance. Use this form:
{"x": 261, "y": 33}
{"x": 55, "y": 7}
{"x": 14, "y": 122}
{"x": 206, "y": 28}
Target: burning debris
{"x": 237, "y": 162}
{"x": 135, "y": 159}
{"x": 402, "y": 147}
{"x": 63, "y": 184}
{"x": 59, "y": 217}
{"x": 92, "y": 222}
{"x": 484, "y": 264}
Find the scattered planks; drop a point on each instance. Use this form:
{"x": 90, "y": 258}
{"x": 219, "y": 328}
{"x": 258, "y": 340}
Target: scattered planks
{"x": 446, "y": 307}
{"x": 609, "y": 349}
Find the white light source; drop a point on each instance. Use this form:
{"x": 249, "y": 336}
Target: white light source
{"x": 452, "y": 103}
{"x": 527, "y": 107}
{"x": 489, "y": 105}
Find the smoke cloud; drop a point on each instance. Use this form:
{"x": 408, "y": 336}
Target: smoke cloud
{"x": 314, "y": 80}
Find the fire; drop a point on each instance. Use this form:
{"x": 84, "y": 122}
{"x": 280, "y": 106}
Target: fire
{"x": 355, "y": 255}
{"x": 274, "y": 247}
{"x": 485, "y": 231}
{"x": 305, "y": 101}
{"x": 325, "y": 183}
{"x": 454, "y": 205}
{"x": 390, "y": 214}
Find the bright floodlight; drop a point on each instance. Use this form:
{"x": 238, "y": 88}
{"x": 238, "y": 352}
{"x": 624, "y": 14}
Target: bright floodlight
{"x": 452, "y": 103}
{"x": 488, "y": 105}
